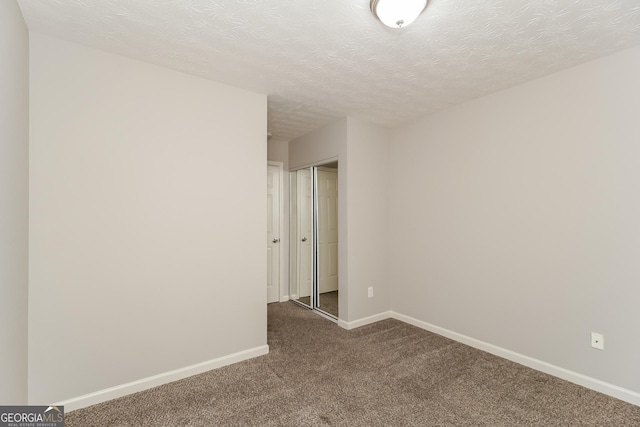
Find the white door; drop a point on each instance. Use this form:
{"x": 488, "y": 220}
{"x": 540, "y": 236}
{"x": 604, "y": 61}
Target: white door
{"x": 305, "y": 230}
{"x": 273, "y": 233}
{"x": 327, "y": 229}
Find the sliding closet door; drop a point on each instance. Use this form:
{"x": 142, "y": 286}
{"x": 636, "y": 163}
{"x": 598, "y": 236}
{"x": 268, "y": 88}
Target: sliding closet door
{"x": 327, "y": 236}
{"x": 314, "y": 238}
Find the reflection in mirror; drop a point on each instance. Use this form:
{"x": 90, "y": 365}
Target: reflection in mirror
{"x": 301, "y": 229}
{"x": 327, "y": 236}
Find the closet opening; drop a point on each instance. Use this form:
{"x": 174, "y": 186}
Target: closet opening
{"x": 314, "y": 238}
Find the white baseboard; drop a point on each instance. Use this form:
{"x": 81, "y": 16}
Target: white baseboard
{"x": 156, "y": 380}
{"x": 167, "y": 377}
{"x": 284, "y": 298}
{"x": 364, "y": 321}
{"x": 574, "y": 377}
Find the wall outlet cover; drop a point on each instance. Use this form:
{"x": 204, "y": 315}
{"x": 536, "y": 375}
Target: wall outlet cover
{"x": 597, "y": 340}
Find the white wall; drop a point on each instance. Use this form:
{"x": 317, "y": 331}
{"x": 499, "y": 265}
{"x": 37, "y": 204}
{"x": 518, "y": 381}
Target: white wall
{"x": 368, "y": 219}
{"x": 514, "y": 219}
{"x": 14, "y": 203}
{"x": 319, "y": 146}
{"x": 147, "y": 220}
{"x": 278, "y": 151}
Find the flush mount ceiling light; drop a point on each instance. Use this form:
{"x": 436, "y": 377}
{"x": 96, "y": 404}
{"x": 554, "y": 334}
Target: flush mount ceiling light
{"x": 397, "y": 13}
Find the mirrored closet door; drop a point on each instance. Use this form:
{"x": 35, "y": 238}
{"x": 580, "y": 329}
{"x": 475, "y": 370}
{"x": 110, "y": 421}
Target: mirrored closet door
{"x": 314, "y": 238}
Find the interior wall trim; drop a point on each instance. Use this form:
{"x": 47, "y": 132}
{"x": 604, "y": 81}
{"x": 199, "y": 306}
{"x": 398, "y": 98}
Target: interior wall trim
{"x": 365, "y": 320}
{"x": 609, "y": 389}
{"x": 612, "y": 390}
{"x": 314, "y": 163}
{"x": 163, "y": 378}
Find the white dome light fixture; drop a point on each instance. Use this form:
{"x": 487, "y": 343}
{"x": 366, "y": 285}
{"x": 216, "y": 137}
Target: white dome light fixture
{"x": 397, "y": 13}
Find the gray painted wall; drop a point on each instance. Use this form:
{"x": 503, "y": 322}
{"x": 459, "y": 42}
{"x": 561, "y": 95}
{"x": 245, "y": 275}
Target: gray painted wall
{"x": 147, "y": 220}
{"x": 514, "y": 219}
{"x": 368, "y": 218}
{"x": 278, "y": 151}
{"x": 14, "y": 203}
{"x": 319, "y": 146}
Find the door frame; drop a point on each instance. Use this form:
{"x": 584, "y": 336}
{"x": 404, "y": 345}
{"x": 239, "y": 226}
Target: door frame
{"x": 280, "y": 166}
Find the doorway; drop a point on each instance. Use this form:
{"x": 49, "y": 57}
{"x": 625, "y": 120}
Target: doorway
{"x": 274, "y": 252}
{"x": 314, "y": 238}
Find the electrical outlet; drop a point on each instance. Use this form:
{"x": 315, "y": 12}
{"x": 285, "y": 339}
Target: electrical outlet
{"x": 597, "y": 340}
{"x": 370, "y": 291}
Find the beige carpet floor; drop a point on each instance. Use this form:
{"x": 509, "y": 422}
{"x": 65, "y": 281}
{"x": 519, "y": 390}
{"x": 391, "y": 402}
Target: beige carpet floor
{"x": 385, "y": 374}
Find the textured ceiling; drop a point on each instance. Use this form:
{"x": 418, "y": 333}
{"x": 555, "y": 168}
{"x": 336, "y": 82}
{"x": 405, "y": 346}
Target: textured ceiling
{"x": 320, "y": 60}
